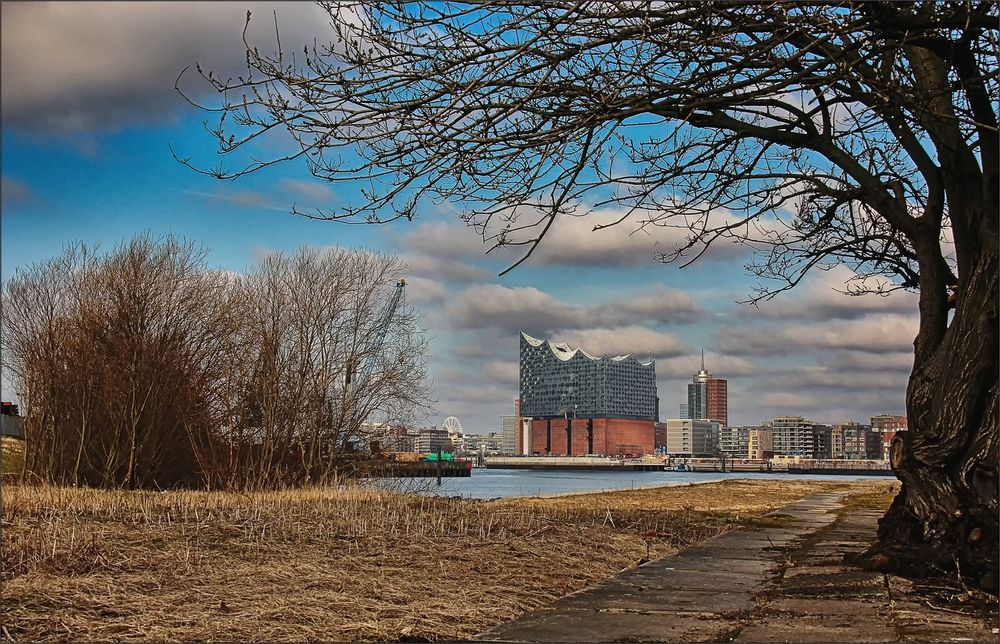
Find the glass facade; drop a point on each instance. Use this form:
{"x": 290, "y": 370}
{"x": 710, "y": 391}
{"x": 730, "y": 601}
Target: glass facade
{"x": 556, "y": 380}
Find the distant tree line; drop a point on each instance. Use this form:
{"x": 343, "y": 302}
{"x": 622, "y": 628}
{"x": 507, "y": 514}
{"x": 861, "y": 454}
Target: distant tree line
{"x": 143, "y": 367}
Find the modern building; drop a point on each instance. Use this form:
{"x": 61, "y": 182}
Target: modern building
{"x": 707, "y": 397}
{"x": 508, "y": 435}
{"x": 692, "y": 437}
{"x": 735, "y": 441}
{"x": 792, "y": 436}
{"x": 572, "y": 402}
{"x": 434, "y": 439}
{"x": 860, "y": 442}
{"x": 822, "y": 437}
{"x": 760, "y": 444}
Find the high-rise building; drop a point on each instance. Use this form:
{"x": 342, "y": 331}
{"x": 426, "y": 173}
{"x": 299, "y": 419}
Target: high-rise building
{"x": 708, "y": 397}
{"x": 577, "y": 403}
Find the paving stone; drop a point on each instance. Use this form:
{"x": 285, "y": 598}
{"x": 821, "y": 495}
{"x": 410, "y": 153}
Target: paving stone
{"x": 801, "y": 633}
{"x": 835, "y": 607}
{"x": 611, "y": 626}
{"x": 622, "y": 595}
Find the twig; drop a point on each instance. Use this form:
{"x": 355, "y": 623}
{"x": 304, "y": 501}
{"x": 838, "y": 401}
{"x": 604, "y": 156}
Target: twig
{"x": 6, "y": 634}
{"x": 949, "y": 610}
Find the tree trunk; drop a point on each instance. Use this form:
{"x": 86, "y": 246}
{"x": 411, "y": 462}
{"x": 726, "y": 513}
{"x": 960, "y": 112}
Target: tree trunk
{"x": 944, "y": 519}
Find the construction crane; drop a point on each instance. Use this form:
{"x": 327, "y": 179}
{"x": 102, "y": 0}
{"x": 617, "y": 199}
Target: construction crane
{"x": 356, "y": 381}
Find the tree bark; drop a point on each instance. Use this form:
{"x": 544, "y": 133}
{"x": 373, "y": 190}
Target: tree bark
{"x": 944, "y": 519}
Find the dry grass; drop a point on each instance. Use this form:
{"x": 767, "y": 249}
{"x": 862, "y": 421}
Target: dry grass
{"x": 11, "y": 455}
{"x": 328, "y": 564}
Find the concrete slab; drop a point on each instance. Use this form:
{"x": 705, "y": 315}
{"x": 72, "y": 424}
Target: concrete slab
{"x": 611, "y": 626}
{"x": 792, "y": 631}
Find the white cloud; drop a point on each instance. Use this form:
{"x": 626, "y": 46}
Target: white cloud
{"x": 70, "y": 67}
{"x": 502, "y": 371}
{"x": 641, "y": 341}
{"x": 877, "y": 334}
{"x": 822, "y": 296}
{"x": 496, "y": 306}
{"x": 492, "y": 305}
{"x": 314, "y": 193}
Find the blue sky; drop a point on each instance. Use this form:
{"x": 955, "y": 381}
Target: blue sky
{"x": 90, "y": 115}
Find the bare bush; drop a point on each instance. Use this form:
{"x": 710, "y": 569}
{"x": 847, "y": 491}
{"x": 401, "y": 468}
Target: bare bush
{"x": 144, "y": 368}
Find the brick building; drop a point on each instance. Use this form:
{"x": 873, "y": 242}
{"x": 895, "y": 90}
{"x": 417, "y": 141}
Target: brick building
{"x": 888, "y": 426}
{"x": 603, "y": 436}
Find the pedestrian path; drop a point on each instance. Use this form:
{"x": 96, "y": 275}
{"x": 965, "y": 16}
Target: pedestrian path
{"x": 784, "y": 582}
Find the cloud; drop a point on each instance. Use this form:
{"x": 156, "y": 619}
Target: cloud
{"x": 877, "y": 334}
{"x": 314, "y": 193}
{"x": 492, "y": 305}
{"x": 449, "y": 270}
{"x": 641, "y": 341}
{"x": 496, "y": 306}
{"x": 823, "y": 379}
{"x": 651, "y": 306}
{"x": 722, "y": 365}
{"x": 15, "y": 193}
{"x": 822, "y": 297}
{"x": 71, "y": 67}
{"x": 443, "y": 240}
{"x": 503, "y": 371}
{"x": 244, "y": 198}
{"x": 571, "y": 241}
{"x": 425, "y": 292}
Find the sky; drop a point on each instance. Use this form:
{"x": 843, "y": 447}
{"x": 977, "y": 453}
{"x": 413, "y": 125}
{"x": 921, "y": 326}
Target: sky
{"x": 90, "y": 116}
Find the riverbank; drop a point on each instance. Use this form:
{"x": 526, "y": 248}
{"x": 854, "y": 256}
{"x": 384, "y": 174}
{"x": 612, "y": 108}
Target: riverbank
{"x": 337, "y": 564}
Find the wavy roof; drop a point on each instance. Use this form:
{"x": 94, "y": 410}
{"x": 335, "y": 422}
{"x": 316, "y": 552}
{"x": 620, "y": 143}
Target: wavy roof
{"x": 562, "y": 351}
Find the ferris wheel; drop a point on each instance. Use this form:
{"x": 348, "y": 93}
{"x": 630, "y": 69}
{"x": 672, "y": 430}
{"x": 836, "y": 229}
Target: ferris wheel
{"x": 452, "y": 425}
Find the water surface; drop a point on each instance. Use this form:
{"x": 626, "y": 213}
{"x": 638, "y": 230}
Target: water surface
{"x": 491, "y": 484}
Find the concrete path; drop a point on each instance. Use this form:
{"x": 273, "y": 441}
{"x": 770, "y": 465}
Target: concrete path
{"x": 783, "y": 583}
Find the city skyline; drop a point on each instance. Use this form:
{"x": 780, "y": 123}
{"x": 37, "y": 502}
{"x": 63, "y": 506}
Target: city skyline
{"x": 87, "y": 156}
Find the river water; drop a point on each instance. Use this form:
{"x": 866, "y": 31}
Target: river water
{"x": 495, "y": 483}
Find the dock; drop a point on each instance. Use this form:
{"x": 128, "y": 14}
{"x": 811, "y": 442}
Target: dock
{"x": 589, "y": 463}
{"x": 418, "y": 469}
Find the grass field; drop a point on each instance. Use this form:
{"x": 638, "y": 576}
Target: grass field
{"x": 333, "y": 564}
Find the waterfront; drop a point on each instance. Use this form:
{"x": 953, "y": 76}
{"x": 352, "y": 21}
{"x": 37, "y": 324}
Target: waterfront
{"x": 493, "y": 484}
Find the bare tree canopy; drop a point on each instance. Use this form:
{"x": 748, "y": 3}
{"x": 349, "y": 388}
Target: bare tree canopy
{"x": 862, "y": 133}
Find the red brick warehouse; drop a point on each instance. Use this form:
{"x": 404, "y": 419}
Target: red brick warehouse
{"x": 582, "y": 404}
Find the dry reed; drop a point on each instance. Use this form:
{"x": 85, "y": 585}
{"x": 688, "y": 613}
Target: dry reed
{"x": 342, "y": 563}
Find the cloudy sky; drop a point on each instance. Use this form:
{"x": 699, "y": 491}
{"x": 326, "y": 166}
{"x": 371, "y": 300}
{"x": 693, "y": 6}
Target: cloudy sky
{"x": 89, "y": 117}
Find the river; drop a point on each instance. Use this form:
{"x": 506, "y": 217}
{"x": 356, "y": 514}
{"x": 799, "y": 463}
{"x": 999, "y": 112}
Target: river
{"x": 496, "y": 483}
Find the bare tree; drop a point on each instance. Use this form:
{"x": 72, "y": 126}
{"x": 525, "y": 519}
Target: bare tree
{"x": 108, "y": 354}
{"x": 307, "y": 321}
{"x": 144, "y": 368}
{"x": 873, "y": 125}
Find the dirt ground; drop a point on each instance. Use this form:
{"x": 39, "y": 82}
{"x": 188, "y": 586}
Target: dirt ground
{"x": 334, "y": 563}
